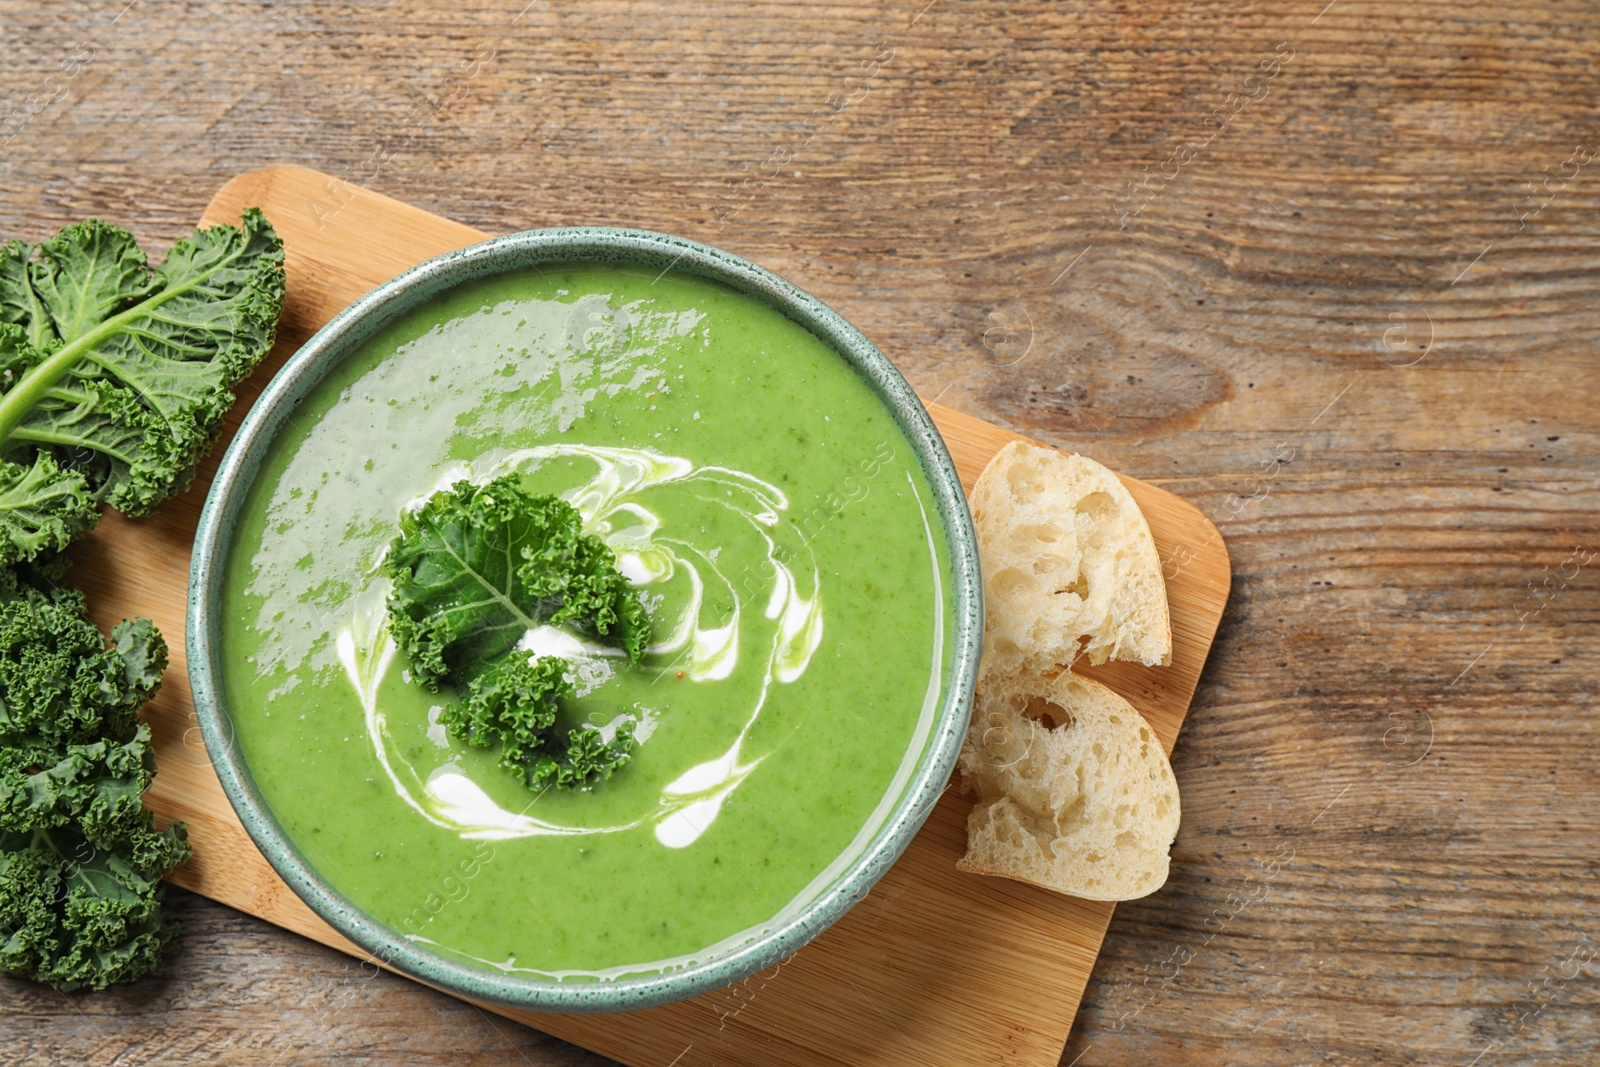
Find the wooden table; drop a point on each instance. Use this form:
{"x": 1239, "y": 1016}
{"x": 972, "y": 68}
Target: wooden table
{"x": 1328, "y": 271}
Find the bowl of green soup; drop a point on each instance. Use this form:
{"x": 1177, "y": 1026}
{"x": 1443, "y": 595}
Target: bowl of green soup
{"x": 584, "y": 620}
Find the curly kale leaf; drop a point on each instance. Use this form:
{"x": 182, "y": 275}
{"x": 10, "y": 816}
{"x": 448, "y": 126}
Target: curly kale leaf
{"x": 476, "y": 568}
{"x": 118, "y": 373}
{"x": 99, "y": 784}
{"x": 515, "y": 702}
{"x": 80, "y": 856}
{"x": 43, "y": 507}
{"x": 59, "y": 683}
{"x": 80, "y": 911}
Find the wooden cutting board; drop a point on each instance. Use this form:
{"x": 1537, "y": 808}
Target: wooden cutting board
{"x": 933, "y": 967}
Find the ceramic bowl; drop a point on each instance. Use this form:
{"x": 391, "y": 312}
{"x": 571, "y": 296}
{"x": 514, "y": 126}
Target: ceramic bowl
{"x": 340, "y": 337}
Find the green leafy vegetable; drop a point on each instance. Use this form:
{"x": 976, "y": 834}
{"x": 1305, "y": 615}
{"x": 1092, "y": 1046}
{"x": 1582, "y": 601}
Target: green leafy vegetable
{"x": 114, "y": 377}
{"x": 476, "y": 568}
{"x": 83, "y": 912}
{"x": 42, "y": 507}
{"x": 59, "y": 684}
{"x": 113, "y": 382}
{"x": 516, "y": 702}
{"x": 80, "y": 857}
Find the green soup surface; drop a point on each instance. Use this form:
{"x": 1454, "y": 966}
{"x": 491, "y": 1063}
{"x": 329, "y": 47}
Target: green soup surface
{"x": 778, "y": 525}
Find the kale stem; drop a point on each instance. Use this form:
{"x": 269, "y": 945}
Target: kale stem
{"x": 33, "y": 385}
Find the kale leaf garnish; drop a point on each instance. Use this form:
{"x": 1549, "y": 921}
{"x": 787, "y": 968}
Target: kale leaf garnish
{"x": 473, "y": 570}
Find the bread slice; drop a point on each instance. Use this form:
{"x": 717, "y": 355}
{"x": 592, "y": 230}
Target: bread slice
{"x": 1086, "y": 804}
{"x": 1068, "y": 564}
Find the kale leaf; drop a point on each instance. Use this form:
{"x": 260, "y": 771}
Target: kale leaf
{"x": 59, "y": 684}
{"x": 83, "y": 912}
{"x": 80, "y": 857}
{"x": 516, "y": 702}
{"x": 42, "y": 507}
{"x": 114, "y": 376}
{"x": 473, "y": 570}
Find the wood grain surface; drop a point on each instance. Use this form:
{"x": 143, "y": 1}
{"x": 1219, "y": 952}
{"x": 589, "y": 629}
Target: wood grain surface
{"x": 1328, "y": 270}
{"x": 981, "y": 969}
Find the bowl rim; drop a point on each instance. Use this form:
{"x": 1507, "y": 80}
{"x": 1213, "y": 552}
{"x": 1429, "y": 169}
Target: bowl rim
{"x": 335, "y": 341}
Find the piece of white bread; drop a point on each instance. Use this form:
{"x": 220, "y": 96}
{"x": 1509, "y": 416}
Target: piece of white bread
{"x": 1088, "y": 807}
{"x": 1068, "y": 560}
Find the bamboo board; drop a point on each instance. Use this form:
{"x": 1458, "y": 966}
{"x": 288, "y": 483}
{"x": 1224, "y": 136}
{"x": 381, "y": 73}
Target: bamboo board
{"x": 933, "y": 966}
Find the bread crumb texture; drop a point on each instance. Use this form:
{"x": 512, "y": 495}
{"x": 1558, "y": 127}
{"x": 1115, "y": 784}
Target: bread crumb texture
{"x": 1069, "y": 565}
{"x": 1074, "y": 791}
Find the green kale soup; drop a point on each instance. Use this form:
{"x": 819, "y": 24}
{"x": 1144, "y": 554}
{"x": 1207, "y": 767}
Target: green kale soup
{"x": 755, "y": 492}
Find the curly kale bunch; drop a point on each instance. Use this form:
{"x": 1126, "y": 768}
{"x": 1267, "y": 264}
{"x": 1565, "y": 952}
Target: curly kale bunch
{"x": 114, "y": 377}
{"x": 476, "y": 568}
{"x": 80, "y": 858}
